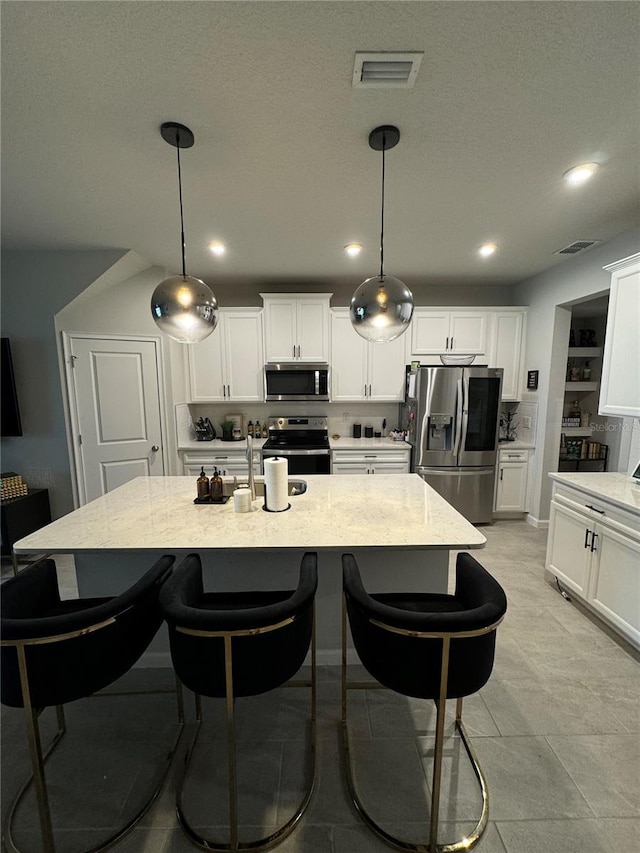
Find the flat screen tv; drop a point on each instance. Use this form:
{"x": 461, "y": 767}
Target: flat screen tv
{"x": 9, "y": 410}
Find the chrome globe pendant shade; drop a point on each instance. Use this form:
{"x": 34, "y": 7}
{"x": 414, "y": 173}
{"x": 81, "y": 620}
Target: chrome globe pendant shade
{"x": 382, "y": 306}
{"x": 183, "y": 307}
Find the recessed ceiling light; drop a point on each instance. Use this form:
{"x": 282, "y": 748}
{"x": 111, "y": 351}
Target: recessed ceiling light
{"x": 217, "y": 248}
{"x": 353, "y": 249}
{"x": 487, "y": 249}
{"x": 580, "y": 174}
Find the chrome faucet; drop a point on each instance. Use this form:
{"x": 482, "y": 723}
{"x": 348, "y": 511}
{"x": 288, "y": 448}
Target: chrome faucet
{"x": 252, "y": 484}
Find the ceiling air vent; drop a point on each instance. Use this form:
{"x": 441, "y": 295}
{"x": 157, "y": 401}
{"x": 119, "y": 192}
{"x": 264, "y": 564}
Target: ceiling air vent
{"x": 578, "y": 246}
{"x": 385, "y": 70}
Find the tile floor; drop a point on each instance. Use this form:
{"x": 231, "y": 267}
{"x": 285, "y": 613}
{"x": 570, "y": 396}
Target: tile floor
{"x": 556, "y": 730}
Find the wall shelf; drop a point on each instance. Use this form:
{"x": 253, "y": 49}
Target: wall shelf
{"x": 585, "y": 352}
{"x": 578, "y": 431}
{"x": 581, "y": 386}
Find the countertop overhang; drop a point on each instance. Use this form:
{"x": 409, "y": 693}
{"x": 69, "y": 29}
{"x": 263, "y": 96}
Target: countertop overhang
{"x": 338, "y": 513}
{"x": 617, "y": 488}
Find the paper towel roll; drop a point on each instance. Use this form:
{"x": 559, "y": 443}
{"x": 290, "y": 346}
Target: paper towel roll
{"x": 276, "y": 472}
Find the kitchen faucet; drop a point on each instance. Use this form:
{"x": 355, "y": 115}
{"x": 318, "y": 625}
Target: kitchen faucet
{"x": 252, "y": 484}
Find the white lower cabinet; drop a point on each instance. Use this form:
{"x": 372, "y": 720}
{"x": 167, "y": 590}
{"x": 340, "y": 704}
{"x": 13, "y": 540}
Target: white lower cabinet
{"x": 511, "y": 481}
{"x": 370, "y": 462}
{"x": 233, "y": 462}
{"x": 594, "y": 550}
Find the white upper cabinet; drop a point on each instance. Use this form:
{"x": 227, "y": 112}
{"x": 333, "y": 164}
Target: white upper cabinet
{"x": 362, "y": 370}
{"x": 505, "y": 351}
{"x": 435, "y": 332}
{"x": 620, "y": 382}
{"x": 229, "y": 364}
{"x": 296, "y": 326}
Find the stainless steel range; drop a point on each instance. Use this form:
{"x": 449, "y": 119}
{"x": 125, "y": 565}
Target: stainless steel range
{"x": 303, "y": 441}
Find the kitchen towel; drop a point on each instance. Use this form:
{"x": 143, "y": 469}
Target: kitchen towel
{"x": 276, "y": 471}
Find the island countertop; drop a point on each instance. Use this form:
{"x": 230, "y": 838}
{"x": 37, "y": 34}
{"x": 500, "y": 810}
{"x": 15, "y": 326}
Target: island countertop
{"x": 611, "y": 486}
{"x": 336, "y": 512}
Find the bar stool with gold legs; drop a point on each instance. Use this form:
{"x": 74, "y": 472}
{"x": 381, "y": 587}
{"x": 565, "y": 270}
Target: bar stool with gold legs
{"x": 54, "y": 652}
{"x": 228, "y": 645}
{"x": 428, "y": 646}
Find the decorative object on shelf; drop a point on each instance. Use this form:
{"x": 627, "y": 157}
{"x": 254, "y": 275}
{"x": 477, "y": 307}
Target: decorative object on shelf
{"x": 183, "y": 307}
{"x": 574, "y": 373}
{"x": 572, "y": 338}
{"x": 381, "y": 306}
{"x": 508, "y": 424}
{"x": 457, "y": 360}
{"x": 587, "y": 338}
{"x": 12, "y": 486}
{"x": 237, "y": 427}
{"x": 227, "y": 430}
{"x": 586, "y": 372}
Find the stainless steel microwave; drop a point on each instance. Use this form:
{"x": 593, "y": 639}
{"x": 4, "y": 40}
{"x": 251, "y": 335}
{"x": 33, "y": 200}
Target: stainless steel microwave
{"x": 284, "y": 382}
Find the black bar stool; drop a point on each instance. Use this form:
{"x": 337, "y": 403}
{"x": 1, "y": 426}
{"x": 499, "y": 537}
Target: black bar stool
{"x": 227, "y": 645}
{"x": 54, "y": 652}
{"x": 429, "y": 646}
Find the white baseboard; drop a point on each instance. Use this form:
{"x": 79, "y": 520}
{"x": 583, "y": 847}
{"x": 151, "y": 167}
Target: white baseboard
{"x": 540, "y": 523}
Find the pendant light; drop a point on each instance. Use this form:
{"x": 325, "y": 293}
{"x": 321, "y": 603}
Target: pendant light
{"x": 382, "y": 306}
{"x": 183, "y": 307}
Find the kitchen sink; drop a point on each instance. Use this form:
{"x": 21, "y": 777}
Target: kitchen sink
{"x": 295, "y": 487}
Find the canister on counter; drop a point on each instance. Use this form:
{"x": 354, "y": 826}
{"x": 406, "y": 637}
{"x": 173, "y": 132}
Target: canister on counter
{"x": 357, "y": 430}
{"x": 368, "y": 432}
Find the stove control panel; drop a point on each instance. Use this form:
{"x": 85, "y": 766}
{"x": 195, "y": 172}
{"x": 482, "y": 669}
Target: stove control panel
{"x": 315, "y": 422}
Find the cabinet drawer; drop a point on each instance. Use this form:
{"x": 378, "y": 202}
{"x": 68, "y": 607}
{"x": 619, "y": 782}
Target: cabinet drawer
{"x": 505, "y": 455}
{"x": 367, "y": 457}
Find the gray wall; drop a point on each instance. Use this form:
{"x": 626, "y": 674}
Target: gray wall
{"x": 36, "y": 285}
{"x": 574, "y": 280}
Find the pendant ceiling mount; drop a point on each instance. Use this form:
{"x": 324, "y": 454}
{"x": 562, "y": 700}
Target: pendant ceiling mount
{"x": 182, "y": 306}
{"x": 382, "y": 306}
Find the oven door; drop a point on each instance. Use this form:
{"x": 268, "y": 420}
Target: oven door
{"x": 303, "y": 461}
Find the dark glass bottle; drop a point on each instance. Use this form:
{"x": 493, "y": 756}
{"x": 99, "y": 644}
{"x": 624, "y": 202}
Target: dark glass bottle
{"x": 216, "y": 486}
{"x": 202, "y": 484}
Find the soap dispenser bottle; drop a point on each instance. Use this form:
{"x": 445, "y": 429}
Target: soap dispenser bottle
{"x": 202, "y": 485}
{"x": 216, "y": 486}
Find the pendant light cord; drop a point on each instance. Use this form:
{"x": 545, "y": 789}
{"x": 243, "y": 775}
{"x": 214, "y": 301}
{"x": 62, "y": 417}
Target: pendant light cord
{"x": 184, "y": 273}
{"x": 384, "y": 145}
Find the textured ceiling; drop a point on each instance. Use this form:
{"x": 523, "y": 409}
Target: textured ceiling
{"x": 508, "y": 97}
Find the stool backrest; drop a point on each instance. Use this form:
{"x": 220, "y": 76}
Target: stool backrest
{"x": 402, "y": 646}
{"x": 76, "y": 647}
{"x": 269, "y": 638}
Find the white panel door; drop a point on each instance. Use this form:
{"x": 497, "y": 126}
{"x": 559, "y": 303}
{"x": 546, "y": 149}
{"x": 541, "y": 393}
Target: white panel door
{"x": 387, "y": 370}
{"x": 468, "y": 332}
{"x": 281, "y": 330}
{"x": 115, "y": 412}
{"x": 313, "y": 329}
{"x": 244, "y": 357}
{"x": 569, "y": 538}
{"x": 507, "y": 347}
{"x": 429, "y": 332}
{"x": 349, "y": 377}
{"x": 207, "y": 379}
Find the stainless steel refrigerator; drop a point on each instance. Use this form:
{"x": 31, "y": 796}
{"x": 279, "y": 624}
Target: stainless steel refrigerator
{"x": 451, "y": 415}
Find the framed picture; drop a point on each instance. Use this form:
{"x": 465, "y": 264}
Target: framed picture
{"x": 532, "y": 380}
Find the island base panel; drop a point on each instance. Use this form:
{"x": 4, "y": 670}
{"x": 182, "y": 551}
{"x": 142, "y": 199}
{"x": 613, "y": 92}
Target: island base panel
{"x": 383, "y": 570}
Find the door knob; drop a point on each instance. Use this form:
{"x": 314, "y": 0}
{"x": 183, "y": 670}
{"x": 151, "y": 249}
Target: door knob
{"x": 155, "y": 448}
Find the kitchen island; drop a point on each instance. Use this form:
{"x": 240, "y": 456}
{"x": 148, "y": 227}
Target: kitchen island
{"x": 400, "y": 529}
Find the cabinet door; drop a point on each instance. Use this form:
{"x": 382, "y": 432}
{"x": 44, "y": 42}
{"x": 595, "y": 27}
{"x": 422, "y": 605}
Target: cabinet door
{"x": 349, "y": 377}
{"x": 568, "y": 557}
{"x": 387, "y": 370}
{"x": 244, "y": 356}
{"x": 313, "y": 329}
{"x": 467, "y": 332}
{"x": 350, "y": 468}
{"x": 429, "y": 332}
{"x": 506, "y": 352}
{"x": 511, "y": 487}
{"x": 206, "y": 369}
{"x": 615, "y": 582}
{"x": 280, "y": 330}
{"x": 620, "y": 383}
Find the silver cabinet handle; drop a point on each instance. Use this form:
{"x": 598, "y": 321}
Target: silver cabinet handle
{"x": 155, "y": 448}
{"x": 229, "y": 391}
{"x": 370, "y": 394}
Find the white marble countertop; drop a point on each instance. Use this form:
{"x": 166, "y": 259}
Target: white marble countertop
{"x": 347, "y": 512}
{"x": 617, "y": 488}
{"x": 220, "y": 446}
{"x": 349, "y": 443}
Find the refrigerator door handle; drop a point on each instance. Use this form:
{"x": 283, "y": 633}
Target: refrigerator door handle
{"x": 458, "y": 435}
